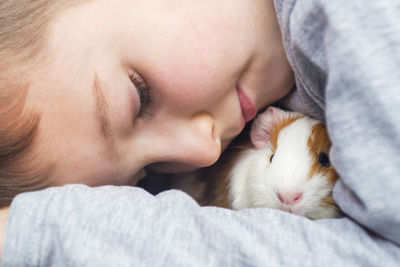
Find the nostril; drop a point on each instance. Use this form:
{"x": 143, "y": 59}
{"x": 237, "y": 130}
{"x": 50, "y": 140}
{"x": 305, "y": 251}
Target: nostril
{"x": 298, "y": 197}
{"x": 281, "y": 198}
{"x": 290, "y": 198}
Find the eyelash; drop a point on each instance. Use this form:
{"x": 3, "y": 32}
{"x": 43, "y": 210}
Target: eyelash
{"x": 144, "y": 93}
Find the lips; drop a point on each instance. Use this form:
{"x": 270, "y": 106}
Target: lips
{"x": 249, "y": 111}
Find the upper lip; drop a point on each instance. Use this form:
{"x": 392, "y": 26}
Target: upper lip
{"x": 249, "y": 110}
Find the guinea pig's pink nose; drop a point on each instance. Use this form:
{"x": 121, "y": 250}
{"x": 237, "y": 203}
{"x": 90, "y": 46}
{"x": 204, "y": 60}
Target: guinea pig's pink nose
{"x": 290, "y": 198}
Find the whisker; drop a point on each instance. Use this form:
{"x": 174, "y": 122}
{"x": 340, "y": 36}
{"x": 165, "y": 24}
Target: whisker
{"x": 240, "y": 147}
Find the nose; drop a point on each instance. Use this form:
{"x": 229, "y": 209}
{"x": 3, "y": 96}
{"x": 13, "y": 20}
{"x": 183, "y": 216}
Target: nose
{"x": 205, "y": 146}
{"x": 194, "y": 142}
{"x": 290, "y": 197}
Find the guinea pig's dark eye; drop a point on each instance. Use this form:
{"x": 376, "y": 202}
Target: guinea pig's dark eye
{"x": 270, "y": 158}
{"x": 323, "y": 159}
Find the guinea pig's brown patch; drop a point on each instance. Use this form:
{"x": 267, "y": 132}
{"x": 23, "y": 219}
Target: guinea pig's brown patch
{"x": 217, "y": 177}
{"x": 329, "y": 203}
{"x": 318, "y": 143}
{"x": 279, "y": 125}
{"x": 329, "y": 200}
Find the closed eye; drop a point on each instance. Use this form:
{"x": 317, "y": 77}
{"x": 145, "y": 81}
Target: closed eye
{"x": 144, "y": 93}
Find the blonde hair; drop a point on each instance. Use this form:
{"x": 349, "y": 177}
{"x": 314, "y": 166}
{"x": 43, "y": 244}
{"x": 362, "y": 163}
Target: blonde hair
{"x": 23, "y": 28}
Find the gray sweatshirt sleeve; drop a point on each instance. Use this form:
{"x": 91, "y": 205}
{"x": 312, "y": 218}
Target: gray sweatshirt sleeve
{"x": 346, "y": 56}
{"x": 363, "y": 107}
{"x": 77, "y": 225}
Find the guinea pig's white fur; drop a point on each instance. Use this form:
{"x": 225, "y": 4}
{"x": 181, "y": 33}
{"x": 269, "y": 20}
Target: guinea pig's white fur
{"x": 256, "y": 182}
{"x": 286, "y": 167}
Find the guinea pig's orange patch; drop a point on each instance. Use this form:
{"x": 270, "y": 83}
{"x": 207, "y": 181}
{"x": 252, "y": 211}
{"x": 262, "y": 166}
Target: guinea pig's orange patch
{"x": 329, "y": 200}
{"x": 319, "y": 142}
{"x": 279, "y": 125}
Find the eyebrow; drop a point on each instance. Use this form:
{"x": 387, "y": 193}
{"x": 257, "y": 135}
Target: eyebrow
{"x": 103, "y": 116}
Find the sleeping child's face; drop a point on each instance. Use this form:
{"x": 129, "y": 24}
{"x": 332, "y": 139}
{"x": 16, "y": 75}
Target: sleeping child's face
{"x": 156, "y": 83}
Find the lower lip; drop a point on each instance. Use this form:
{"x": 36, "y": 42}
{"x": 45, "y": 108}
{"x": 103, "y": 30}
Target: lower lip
{"x": 249, "y": 111}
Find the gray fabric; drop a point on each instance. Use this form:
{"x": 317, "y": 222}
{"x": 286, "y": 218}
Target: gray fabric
{"x": 351, "y": 70}
{"x": 126, "y": 226}
{"x": 346, "y": 56}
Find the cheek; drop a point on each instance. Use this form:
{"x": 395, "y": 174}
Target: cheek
{"x": 86, "y": 169}
{"x": 97, "y": 173}
{"x": 83, "y": 160}
{"x": 186, "y": 89}
{"x": 194, "y": 71}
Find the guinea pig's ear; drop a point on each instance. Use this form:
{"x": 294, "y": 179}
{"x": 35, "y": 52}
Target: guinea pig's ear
{"x": 262, "y": 125}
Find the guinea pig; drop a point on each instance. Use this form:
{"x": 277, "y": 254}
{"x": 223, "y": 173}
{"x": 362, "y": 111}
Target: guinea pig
{"x": 282, "y": 163}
